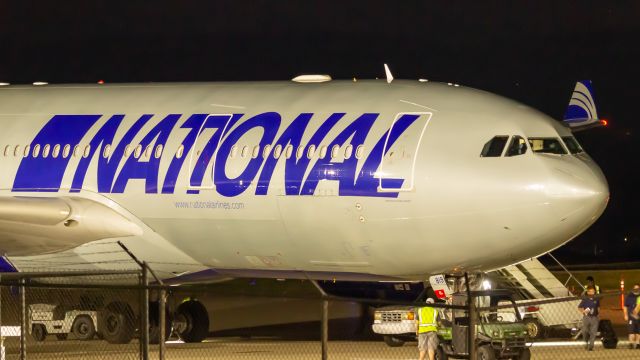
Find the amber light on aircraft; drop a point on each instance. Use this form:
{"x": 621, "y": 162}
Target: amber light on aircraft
{"x": 604, "y": 122}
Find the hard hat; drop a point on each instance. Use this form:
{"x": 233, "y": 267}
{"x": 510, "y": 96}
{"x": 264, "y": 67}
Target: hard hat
{"x": 430, "y": 301}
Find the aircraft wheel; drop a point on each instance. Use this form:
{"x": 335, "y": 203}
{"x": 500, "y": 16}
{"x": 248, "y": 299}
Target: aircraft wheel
{"x": 117, "y": 323}
{"x": 38, "y": 332}
{"x": 83, "y": 328}
{"x": 191, "y": 322}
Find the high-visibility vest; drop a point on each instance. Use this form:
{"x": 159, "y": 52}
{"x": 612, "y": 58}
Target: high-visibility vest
{"x": 427, "y": 320}
{"x": 596, "y": 288}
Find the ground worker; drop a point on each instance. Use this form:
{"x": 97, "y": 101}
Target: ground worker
{"x": 590, "y": 308}
{"x": 630, "y": 302}
{"x": 591, "y": 282}
{"x": 427, "y": 331}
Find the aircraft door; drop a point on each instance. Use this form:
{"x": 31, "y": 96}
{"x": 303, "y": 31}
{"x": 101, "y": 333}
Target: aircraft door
{"x": 399, "y": 156}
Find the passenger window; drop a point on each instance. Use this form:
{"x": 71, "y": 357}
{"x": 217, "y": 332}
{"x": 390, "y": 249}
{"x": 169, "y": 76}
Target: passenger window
{"x": 87, "y": 151}
{"x": 158, "y": 152}
{"x": 311, "y": 151}
{"x": 107, "y": 151}
{"x": 76, "y": 150}
{"x": 147, "y": 152}
{"x": 244, "y": 152}
{"x": 348, "y": 151}
{"x": 66, "y": 151}
{"x": 26, "y": 151}
{"x": 234, "y": 151}
{"x": 359, "y": 152}
{"x": 256, "y": 151}
{"x": 45, "y": 150}
{"x": 16, "y": 151}
{"x": 6, "y": 150}
{"x": 494, "y": 147}
{"x": 334, "y": 151}
{"x": 572, "y": 144}
{"x": 138, "y": 151}
{"x": 127, "y": 150}
{"x": 277, "y": 151}
{"x": 299, "y": 152}
{"x": 517, "y": 146}
{"x": 180, "y": 151}
{"x": 288, "y": 151}
{"x": 36, "y": 150}
{"x": 56, "y": 151}
{"x": 547, "y": 146}
{"x": 265, "y": 151}
{"x": 323, "y": 152}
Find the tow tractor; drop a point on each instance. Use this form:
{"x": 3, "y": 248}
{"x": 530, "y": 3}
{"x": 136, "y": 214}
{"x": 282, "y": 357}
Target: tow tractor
{"x": 45, "y": 319}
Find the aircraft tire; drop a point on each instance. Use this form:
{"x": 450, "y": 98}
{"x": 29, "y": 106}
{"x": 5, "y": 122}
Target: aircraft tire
{"x": 195, "y": 321}
{"x": 117, "y": 324}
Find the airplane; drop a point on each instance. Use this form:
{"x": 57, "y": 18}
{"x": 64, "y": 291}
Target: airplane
{"x": 312, "y": 178}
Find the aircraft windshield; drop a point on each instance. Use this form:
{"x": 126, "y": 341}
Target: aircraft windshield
{"x": 518, "y": 146}
{"x": 572, "y": 144}
{"x": 547, "y": 146}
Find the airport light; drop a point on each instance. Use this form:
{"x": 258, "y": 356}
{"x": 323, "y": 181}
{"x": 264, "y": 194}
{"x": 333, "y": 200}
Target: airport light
{"x": 40, "y": 83}
{"x": 486, "y": 285}
{"x": 4, "y": 84}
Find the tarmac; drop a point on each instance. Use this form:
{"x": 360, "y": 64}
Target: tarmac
{"x": 268, "y": 349}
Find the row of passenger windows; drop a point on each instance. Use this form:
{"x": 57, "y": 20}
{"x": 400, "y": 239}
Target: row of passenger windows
{"x": 518, "y": 146}
{"x": 65, "y": 151}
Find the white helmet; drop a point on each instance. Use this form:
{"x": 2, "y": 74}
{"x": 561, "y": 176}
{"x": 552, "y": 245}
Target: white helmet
{"x": 430, "y": 301}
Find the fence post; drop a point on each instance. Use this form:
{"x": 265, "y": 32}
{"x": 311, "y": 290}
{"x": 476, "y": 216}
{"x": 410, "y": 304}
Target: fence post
{"x": 2, "y": 354}
{"x": 472, "y": 321}
{"x": 23, "y": 320}
{"x": 325, "y": 329}
{"x": 162, "y": 321}
{"x": 144, "y": 330}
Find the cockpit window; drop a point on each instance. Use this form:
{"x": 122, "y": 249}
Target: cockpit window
{"x": 547, "y": 146}
{"x": 518, "y": 146}
{"x": 572, "y": 144}
{"x": 494, "y": 147}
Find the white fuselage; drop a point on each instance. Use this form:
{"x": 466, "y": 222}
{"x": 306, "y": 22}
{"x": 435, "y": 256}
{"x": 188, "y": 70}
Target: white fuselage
{"x": 210, "y": 194}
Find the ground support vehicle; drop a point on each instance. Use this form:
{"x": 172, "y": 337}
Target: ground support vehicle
{"x": 47, "y": 319}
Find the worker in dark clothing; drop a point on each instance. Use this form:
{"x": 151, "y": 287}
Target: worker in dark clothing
{"x": 590, "y": 308}
{"x": 630, "y": 302}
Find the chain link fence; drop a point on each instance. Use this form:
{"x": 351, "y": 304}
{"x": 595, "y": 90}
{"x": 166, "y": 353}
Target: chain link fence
{"x": 116, "y": 315}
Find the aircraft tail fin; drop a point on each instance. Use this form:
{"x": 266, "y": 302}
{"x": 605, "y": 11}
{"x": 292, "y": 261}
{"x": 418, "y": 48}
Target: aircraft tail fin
{"x": 581, "y": 113}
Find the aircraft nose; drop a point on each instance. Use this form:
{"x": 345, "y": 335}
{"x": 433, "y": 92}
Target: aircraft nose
{"x": 579, "y": 191}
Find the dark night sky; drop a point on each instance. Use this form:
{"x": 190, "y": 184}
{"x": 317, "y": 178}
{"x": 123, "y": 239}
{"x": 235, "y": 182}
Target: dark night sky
{"x": 532, "y": 53}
